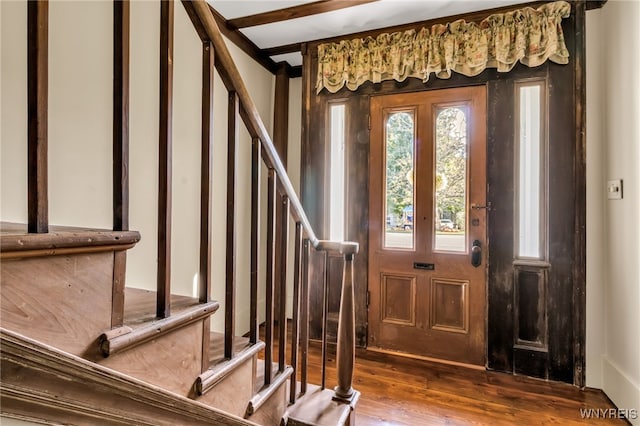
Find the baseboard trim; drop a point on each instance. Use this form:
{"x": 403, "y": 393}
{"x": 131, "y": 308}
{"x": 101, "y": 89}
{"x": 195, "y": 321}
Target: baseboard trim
{"x": 620, "y": 388}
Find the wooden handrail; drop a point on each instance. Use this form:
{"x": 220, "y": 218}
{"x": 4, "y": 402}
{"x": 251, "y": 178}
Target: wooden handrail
{"x": 278, "y": 180}
{"x": 255, "y": 124}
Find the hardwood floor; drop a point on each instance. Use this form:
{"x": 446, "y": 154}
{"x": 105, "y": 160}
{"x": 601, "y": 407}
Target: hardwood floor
{"x": 402, "y": 391}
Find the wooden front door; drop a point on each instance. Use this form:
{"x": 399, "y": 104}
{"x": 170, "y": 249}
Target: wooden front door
{"x": 427, "y": 224}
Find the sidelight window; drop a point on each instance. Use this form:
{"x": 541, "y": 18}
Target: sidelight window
{"x": 530, "y": 164}
{"x": 337, "y": 165}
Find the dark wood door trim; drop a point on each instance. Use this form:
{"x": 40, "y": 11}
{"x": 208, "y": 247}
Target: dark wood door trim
{"x": 565, "y": 291}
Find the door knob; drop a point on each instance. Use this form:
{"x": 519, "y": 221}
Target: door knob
{"x": 476, "y": 254}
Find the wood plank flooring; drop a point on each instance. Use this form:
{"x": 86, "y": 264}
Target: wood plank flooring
{"x": 402, "y": 391}
{"x": 398, "y": 391}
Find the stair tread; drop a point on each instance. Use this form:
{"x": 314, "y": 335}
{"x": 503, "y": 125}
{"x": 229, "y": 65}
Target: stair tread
{"x": 259, "y": 381}
{"x": 140, "y": 306}
{"x": 316, "y": 407}
{"x": 216, "y": 346}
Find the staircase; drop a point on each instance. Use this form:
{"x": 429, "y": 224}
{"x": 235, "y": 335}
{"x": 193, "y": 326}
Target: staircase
{"x": 80, "y": 347}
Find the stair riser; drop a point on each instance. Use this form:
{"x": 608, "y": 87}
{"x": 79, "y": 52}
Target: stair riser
{"x": 172, "y": 361}
{"x": 271, "y": 412}
{"x": 64, "y": 301}
{"x": 232, "y": 393}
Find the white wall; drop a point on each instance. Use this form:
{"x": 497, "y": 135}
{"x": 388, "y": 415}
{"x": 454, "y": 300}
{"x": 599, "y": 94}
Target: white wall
{"x": 80, "y": 117}
{"x": 616, "y": 138}
{"x": 13, "y": 112}
{"x": 596, "y": 203}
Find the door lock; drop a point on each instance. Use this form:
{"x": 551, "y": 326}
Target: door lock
{"x": 476, "y": 254}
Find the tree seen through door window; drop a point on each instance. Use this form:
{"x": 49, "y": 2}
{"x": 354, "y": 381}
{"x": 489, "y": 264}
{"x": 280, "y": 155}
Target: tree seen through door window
{"x": 399, "y": 169}
{"x": 451, "y": 169}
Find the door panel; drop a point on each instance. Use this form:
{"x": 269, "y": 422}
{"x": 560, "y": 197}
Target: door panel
{"x": 427, "y": 211}
{"x": 398, "y": 293}
{"x": 449, "y": 307}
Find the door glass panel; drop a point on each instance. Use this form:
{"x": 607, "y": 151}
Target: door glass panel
{"x": 399, "y": 193}
{"x": 450, "y": 216}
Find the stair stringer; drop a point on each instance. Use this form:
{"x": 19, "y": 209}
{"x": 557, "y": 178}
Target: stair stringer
{"x": 42, "y": 382}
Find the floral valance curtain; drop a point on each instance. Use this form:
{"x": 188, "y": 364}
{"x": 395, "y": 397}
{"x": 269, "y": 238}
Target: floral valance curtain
{"x": 528, "y": 35}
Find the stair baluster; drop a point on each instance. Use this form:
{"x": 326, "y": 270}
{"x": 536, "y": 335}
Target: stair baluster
{"x": 230, "y": 287}
{"x": 163, "y": 306}
{"x": 256, "y": 163}
{"x": 282, "y": 314}
{"x": 271, "y": 278}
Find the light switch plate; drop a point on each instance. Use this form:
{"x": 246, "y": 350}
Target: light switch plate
{"x": 614, "y": 189}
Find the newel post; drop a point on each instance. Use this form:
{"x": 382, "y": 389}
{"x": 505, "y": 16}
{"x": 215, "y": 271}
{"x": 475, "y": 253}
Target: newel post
{"x": 346, "y": 330}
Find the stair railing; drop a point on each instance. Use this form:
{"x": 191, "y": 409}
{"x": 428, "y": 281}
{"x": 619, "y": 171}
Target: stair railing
{"x": 280, "y": 190}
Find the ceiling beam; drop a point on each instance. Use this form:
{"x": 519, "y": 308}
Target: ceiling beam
{"x": 240, "y": 40}
{"x": 281, "y": 50}
{"x": 294, "y": 12}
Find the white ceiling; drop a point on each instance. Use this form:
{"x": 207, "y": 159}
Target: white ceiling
{"x": 364, "y": 17}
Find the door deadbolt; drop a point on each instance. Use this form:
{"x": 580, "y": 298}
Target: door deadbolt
{"x": 476, "y": 254}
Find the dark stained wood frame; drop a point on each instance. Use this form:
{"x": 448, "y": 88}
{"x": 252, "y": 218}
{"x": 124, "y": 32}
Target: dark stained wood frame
{"x": 294, "y": 12}
{"x": 281, "y": 113}
{"x": 271, "y": 272}
{"x": 580, "y": 169}
{"x": 278, "y": 185}
{"x": 206, "y": 171}
{"x": 304, "y": 316}
{"x": 163, "y": 307}
{"x": 121, "y": 27}
{"x": 232, "y": 80}
{"x": 256, "y": 164}
{"x": 295, "y": 321}
{"x": 246, "y": 45}
{"x": 38, "y": 100}
{"x": 565, "y": 358}
{"x": 283, "y": 219}
{"x": 232, "y": 164}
